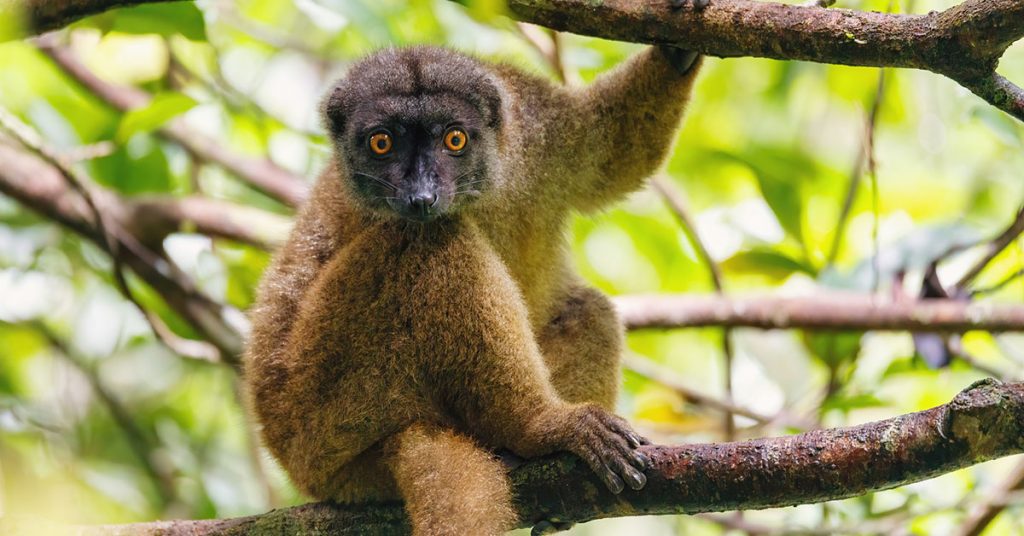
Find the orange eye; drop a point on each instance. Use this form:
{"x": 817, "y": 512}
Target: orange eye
{"x": 380, "y": 143}
{"x": 455, "y": 140}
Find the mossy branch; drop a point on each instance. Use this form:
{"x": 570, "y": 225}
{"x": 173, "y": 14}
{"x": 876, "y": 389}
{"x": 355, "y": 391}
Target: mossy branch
{"x": 983, "y": 422}
{"x": 963, "y": 42}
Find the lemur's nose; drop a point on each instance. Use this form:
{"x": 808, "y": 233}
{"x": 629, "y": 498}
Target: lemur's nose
{"x": 421, "y": 202}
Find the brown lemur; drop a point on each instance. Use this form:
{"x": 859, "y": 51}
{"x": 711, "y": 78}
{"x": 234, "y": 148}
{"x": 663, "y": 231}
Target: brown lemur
{"x": 424, "y": 313}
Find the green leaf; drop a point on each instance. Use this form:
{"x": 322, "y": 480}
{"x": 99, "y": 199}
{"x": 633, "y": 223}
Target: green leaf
{"x": 858, "y": 401}
{"x": 167, "y": 19}
{"x": 1004, "y": 128}
{"x": 782, "y": 173}
{"x": 833, "y": 348}
{"x": 161, "y": 109}
{"x": 913, "y": 251}
{"x": 139, "y": 167}
{"x": 489, "y": 11}
{"x": 768, "y": 262}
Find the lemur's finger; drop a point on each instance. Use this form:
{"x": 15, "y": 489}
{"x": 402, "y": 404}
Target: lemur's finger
{"x": 591, "y": 450}
{"x": 640, "y": 459}
{"x": 617, "y": 468}
{"x": 612, "y": 480}
{"x": 621, "y": 427}
{"x": 634, "y": 479}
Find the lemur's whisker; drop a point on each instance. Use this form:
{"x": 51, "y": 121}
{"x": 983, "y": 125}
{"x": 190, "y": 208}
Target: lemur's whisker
{"x": 378, "y": 180}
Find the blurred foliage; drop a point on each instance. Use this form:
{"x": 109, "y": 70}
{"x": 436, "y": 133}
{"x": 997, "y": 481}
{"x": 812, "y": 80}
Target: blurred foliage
{"x": 764, "y": 159}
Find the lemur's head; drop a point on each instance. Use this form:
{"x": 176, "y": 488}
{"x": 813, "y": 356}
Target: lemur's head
{"x": 417, "y": 131}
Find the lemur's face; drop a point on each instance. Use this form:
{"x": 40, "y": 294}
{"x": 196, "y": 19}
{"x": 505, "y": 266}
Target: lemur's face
{"x": 417, "y": 130}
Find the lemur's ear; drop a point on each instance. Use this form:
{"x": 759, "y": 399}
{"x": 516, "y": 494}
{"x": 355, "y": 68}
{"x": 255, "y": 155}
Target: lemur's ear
{"x": 333, "y": 110}
{"x": 490, "y": 101}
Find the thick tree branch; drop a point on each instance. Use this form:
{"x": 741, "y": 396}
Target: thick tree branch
{"x": 964, "y": 42}
{"x": 38, "y": 16}
{"x": 823, "y": 311}
{"x": 968, "y": 38}
{"x": 149, "y": 218}
{"x": 983, "y": 422}
{"x": 153, "y": 218}
{"x": 33, "y": 183}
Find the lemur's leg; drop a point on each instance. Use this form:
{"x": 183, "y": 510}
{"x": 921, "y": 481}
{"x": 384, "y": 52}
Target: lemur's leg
{"x": 582, "y": 346}
{"x": 451, "y": 486}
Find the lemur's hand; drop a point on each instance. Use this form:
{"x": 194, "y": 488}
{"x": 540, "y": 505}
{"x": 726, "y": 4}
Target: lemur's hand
{"x": 697, "y": 4}
{"x": 681, "y": 59}
{"x": 608, "y": 444}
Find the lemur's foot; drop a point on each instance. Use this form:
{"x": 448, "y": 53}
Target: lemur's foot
{"x": 608, "y": 444}
{"x": 697, "y": 4}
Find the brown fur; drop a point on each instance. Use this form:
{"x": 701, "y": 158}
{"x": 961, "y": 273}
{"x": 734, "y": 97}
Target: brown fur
{"x": 389, "y": 359}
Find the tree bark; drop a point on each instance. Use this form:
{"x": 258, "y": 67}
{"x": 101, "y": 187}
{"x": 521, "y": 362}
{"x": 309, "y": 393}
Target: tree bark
{"x": 38, "y": 16}
{"x": 983, "y": 422}
{"x": 963, "y": 42}
{"x": 837, "y": 311}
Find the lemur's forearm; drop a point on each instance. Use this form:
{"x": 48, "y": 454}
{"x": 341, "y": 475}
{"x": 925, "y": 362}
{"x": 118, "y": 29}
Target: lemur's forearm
{"x": 634, "y": 113}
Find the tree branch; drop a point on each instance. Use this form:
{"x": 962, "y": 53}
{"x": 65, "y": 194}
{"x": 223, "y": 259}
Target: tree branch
{"x": 154, "y": 217}
{"x": 963, "y": 43}
{"x": 986, "y": 510}
{"x": 677, "y": 204}
{"x": 983, "y": 422}
{"x": 823, "y": 311}
{"x": 148, "y": 218}
{"x": 261, "y": 173}
{"x": 993, "y": 248}
{"x": 38, "y": 16}
{"x": 33, "y": 183}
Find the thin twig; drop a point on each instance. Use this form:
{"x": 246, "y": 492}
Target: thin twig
{"x": 547, "y": 43}
{"x": 133, "y": 434}
{"x": 668, "y": 378}
{"x": 1000, "y": 285}
{"x": 677, "y": 204}
{"x": 956, "y": 347}
{"x": 993, "y": 249}
{"x": 985, "y": 511}
{"x": 106, "y": 229}
{"x": 261, "y": 173}
{"x": 857, "y": 172}
{"x": 876, "y": 270}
